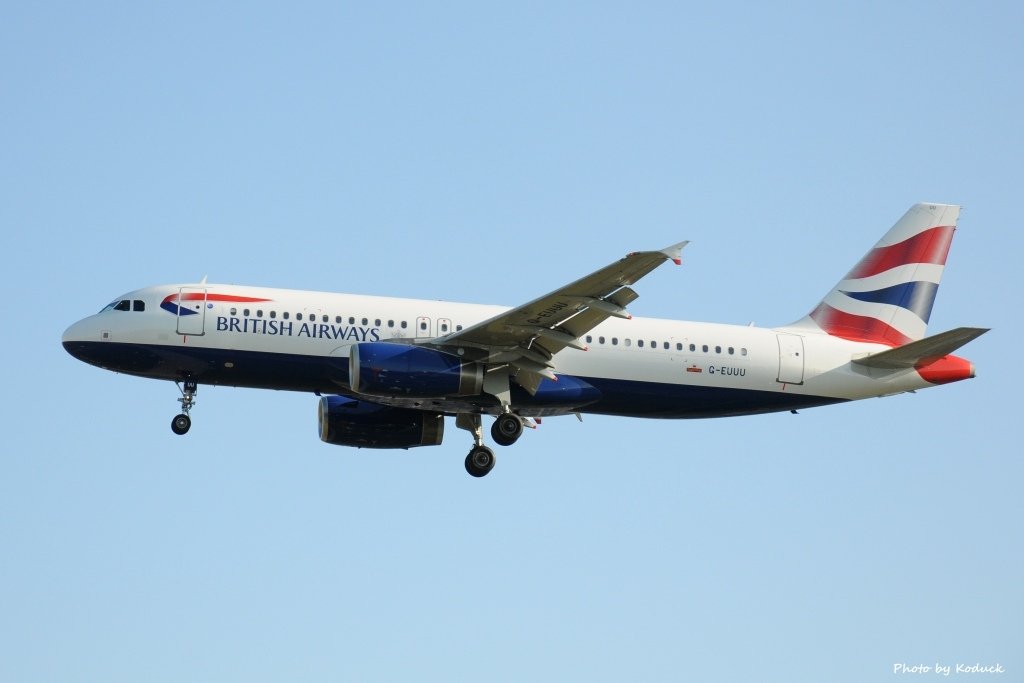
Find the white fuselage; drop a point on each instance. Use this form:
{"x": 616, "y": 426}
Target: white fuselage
{"x": 300, "y": 340}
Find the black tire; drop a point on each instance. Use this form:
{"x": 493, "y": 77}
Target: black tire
{"x": 480, "y": 461}
{"x": 506, "y": 429}
{"x": 180, "y": 424}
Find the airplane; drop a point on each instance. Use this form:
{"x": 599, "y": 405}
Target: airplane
{"x": 389, "y": 370}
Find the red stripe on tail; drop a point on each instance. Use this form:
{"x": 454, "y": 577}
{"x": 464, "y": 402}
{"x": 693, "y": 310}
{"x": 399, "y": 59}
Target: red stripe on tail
{"x": 857, "y": 327}
{"x": 930, "y": 246}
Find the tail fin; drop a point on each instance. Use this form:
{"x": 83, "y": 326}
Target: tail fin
{"x": 887, "y": 297}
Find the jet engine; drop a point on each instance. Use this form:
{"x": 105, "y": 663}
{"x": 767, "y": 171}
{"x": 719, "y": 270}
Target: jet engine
{"x": 347, "y": 421}
{"x": 389, "y": 369}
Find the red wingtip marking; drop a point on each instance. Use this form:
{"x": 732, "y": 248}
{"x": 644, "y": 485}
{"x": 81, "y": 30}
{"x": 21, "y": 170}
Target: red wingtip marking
{"x": 677, "y": 261}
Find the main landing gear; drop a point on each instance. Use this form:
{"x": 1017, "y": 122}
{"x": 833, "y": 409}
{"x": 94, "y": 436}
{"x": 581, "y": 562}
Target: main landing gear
{"x": 480, "y": 461}
{"x": 505, "y": 431}
{"x": 181, "y": 423}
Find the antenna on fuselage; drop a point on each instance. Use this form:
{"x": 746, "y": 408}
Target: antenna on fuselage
{"x": 203, "y": 281}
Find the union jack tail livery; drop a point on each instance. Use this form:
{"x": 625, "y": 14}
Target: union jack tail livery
{"x": 887, "y": 297}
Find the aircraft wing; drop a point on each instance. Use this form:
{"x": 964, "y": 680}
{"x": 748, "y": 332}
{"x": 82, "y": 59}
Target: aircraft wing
{"x": 527, "y": 336}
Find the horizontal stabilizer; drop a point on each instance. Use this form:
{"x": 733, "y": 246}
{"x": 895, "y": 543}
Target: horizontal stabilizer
{"x": 922, "y": 352}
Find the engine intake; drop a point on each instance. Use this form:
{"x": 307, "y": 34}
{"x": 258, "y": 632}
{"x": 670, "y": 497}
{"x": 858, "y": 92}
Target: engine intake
{"x": 388, "y": 369}
{"x": 347, "y": 421}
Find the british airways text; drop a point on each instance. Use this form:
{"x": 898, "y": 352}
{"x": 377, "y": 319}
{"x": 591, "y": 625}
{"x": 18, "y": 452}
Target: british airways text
{"x": 289, "y": 328}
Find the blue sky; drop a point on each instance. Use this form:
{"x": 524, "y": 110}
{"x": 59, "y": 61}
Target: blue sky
{"x": 490, "y": 154}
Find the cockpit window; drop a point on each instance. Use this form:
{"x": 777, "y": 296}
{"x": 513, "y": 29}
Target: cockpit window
{"x": 125, "y": 305}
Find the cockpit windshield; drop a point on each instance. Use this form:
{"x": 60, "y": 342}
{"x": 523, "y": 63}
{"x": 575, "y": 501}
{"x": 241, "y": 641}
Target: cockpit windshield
{"x": 125, "y": 305}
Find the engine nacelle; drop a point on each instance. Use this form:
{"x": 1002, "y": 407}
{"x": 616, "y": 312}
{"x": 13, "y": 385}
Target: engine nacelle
{"x": 347, "y": 421}
{"x": 389, "y": 369}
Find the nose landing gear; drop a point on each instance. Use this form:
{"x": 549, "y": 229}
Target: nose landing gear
{"x": 181, "y": 423}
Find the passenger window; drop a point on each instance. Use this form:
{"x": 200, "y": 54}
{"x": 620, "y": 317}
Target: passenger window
{"x": 124, "y": 305}
{"x": 629, "y": 342}
{"x": 234, "y": 311}
{"x": 259, "y": 312}
{"x": 704, "y": 348}
{"x": 376, "y": 323}
{"x": 665, "y": 346}
{"x": 718, "y": 349}
{"x": 743, "y": 352}
{"x": 444, "y": 327}
{"x": 600, "y": 340}
{"x": 732, "y": 351}
{"x": 326, "y": 318}
{"x": 391, "y": 323}
{"x": 693, "y": 347}
{"x": 423, "y": 326}
{"x": 351, "y": 320}
{"x": 458, "y": 328}
{"x": 337, "y": 320}
{"x": 404, "y": 324}
{"x": 365, "y": 321}
{"x": 246, "y": 313}
{"x": 273, "y": 314}
{"x": 679, "y": 346}
{"x": 138, "y": 305}
{"x": 615, "y": 341}
{"x": 640, "y": 343}
{"x": 654, "y": 344}
{"x": 298, "y": 316}
{"x": 285, "y": 315}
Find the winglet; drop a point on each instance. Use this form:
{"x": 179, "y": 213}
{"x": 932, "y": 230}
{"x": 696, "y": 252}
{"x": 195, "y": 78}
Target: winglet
{"x": 675, "y": 252}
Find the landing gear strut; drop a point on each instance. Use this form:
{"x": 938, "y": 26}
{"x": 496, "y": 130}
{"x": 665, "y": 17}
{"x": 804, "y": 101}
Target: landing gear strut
{"x": 181, "y": 423}
{"x": 480, "y": 460}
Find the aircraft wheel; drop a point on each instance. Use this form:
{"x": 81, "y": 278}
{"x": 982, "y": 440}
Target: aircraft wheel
{"x": 480, "y": 461}
{"x": 507, "y": 429}
{"x": 180, "y": 424}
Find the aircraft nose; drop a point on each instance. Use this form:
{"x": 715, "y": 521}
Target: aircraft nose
{"x": 73, "y": 333}
{"x": 78, "y": 337}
